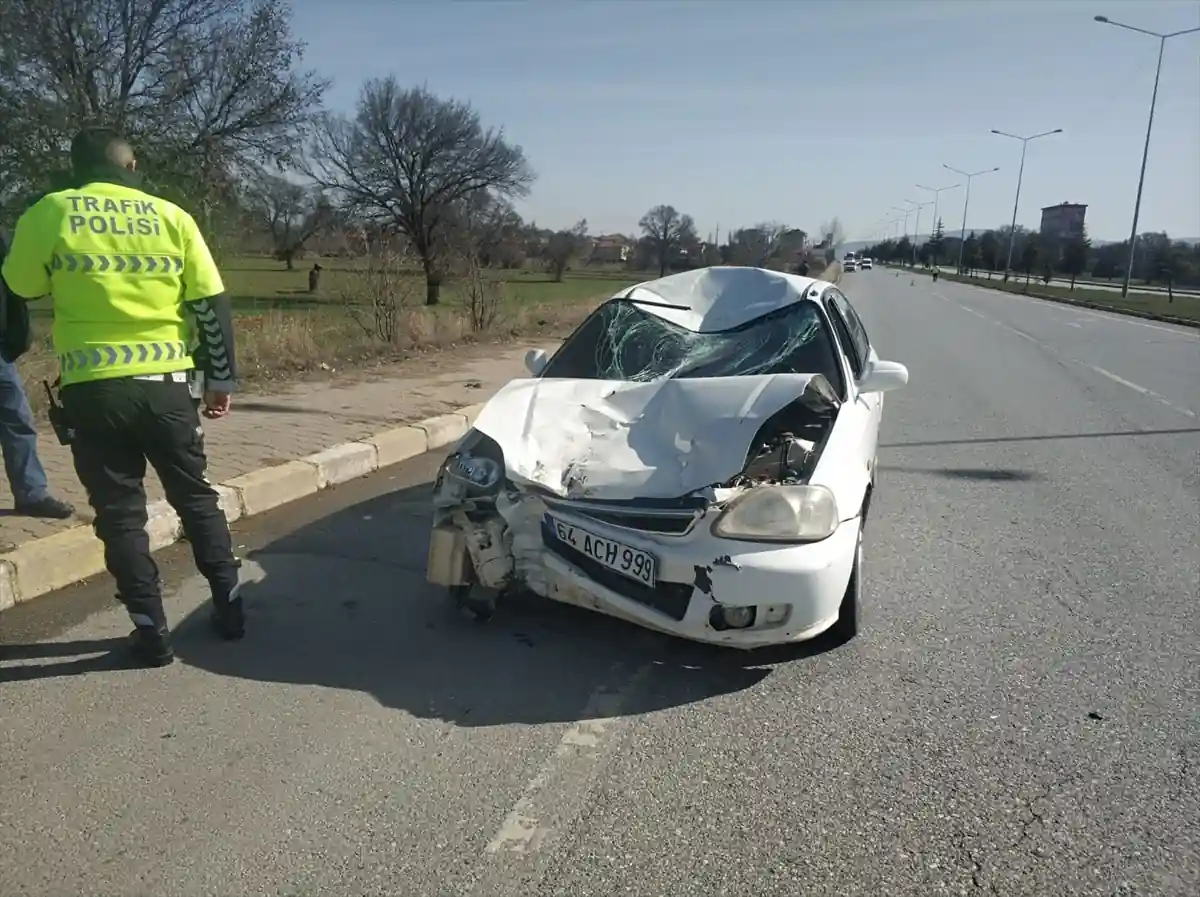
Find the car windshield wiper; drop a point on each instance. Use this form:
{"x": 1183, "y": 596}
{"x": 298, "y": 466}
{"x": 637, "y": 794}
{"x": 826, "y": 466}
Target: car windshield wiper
{"x": 654, "y": 304}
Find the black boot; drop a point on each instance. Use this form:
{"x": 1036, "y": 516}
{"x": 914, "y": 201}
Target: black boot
{"x": 229, "y": 618}
{"x": 152, "y": 646}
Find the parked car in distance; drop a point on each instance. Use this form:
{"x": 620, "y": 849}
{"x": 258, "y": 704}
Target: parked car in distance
{"x": 697, "y": 458}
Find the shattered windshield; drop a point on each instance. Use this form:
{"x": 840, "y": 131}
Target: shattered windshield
{"x": 624, "y": 342}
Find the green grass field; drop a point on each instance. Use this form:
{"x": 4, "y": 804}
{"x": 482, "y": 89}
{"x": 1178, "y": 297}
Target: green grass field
{"x": 258, "y": 284}
{"x": 283, "y": 331}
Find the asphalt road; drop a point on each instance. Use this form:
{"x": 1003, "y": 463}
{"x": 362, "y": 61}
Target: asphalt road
{"x": 1020, "y": 716}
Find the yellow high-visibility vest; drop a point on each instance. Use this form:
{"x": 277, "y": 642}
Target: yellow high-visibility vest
{"x": 119, "y": 265}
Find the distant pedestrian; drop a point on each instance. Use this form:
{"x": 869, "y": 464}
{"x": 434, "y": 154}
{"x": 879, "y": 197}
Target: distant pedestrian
{"x": 125, "y": 271}
{"x": 18, "y": 434}
{"x": 314, "y": 278}
{"x": 802, "y": 268}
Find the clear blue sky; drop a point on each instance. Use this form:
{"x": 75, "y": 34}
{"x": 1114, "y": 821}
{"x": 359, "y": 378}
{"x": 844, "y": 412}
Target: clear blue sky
{"x": 708, "y": 105}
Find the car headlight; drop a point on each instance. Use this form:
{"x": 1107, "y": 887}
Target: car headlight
{"x": 779, "y": 514}
{"x": 482, "y": 474}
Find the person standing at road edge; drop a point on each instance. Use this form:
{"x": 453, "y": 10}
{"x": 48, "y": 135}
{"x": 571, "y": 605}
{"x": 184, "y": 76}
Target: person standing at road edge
{"x": 18, "y": 435}
{"x": 127, "y": 272}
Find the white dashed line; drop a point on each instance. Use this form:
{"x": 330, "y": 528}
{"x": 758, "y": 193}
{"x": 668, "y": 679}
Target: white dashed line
{"x": 1135, "y": 387}
{"x": 1112, "y": 317}
{"x": 1128, "y": 384}
{"x": 568, "y": 770}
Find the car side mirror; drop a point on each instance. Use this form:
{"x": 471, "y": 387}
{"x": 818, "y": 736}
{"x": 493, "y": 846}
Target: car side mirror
{"x": 883, "y": 376}
{"x": 536, "y": 361}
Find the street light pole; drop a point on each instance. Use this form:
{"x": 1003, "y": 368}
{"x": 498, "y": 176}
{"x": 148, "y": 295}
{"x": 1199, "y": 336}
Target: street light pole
{"x": 962, "y": 234}
{"x": 937, "y": 195}
{"x": 905, "y": 213}
{"x": 1012, "y": 231}
{"x": 1137, "y": 203}
{"x": 917, "y": 206}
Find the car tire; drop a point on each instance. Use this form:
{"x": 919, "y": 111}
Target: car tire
{"x": 846, "y": 626}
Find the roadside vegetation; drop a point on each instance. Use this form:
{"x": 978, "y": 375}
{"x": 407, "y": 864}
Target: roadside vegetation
{"x": 1165, "y": 282}
{"x": 336, "y": 253}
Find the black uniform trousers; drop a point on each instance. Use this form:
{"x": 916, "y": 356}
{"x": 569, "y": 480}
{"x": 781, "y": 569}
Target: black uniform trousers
{"x": 120, "y": 424}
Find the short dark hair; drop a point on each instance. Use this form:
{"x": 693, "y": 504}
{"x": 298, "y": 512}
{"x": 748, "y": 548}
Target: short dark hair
{"x": 94, "y": 148}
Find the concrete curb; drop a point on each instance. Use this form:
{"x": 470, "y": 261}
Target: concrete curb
{"x": 45, "y": 565}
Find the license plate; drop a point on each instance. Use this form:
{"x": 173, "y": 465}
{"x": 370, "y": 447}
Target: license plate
{"x": 638, "y": 565}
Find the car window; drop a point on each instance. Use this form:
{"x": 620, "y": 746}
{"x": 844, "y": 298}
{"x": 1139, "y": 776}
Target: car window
{"x": 622, "y": 341}
{"x": 843, "y": 333}
{"x": 858, "y": 332}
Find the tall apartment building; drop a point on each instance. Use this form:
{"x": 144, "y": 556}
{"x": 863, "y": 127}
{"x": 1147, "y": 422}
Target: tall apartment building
{"x": 1063, "y": 221}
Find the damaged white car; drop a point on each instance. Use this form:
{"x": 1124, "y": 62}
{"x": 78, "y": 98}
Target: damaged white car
{"x": 697, "y": 458}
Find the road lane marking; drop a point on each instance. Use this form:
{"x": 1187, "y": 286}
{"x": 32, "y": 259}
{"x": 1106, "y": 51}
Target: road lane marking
{"x": 1136, "y": 388}
{"x": 1128, "y": 384}
{"x": 569, "y": 768}
{"x": 1114, "y": 317}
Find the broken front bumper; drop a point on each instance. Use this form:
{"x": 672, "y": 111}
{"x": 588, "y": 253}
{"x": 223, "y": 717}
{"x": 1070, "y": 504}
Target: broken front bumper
{"x": 706, "y": 589}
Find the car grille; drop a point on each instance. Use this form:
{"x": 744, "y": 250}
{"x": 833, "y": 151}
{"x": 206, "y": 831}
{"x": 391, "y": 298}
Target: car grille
{"x": 669, "y": 598}
{"x": 664, "y": 521}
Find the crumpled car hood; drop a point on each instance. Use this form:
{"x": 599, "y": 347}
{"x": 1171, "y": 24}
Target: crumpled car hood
{"x": 618, "y": 440}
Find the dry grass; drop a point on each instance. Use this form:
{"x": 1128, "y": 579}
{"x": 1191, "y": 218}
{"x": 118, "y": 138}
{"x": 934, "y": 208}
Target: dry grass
{"x": 277, "y": 344}
{"x": 285, "y": 337}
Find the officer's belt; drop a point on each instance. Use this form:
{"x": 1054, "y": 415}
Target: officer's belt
{"x": 122, "y": 354}
{"x": 173, "y": 377}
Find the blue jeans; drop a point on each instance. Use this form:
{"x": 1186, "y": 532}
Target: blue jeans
{"x": 18, "y": 439}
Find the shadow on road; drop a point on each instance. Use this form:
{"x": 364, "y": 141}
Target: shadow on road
{"x": 980, "y": 474}
{"x": 110, "y": 656}
{"x": 342, "y": 603}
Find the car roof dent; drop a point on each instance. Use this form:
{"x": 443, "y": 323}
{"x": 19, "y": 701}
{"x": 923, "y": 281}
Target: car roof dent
{"x": 711, "y": 300}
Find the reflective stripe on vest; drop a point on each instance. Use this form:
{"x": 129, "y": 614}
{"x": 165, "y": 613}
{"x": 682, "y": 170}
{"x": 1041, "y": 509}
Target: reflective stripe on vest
{"x": 97, "y": 263}
{"x": 122, "y": 354}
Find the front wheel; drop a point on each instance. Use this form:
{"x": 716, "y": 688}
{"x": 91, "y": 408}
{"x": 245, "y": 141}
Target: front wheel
{"x": 846, "y": 626}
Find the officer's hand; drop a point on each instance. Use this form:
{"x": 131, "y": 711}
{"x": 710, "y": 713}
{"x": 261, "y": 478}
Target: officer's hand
{"x": 216, "y": 404}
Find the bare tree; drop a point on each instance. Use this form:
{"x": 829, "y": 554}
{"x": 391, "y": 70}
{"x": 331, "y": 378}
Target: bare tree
{"x": 408, "y": 158}
{"x": 833, "y": 232}
{"x": 481, "y": 297}
{"x": 564, "y": 247}
{"x": 202, "y": 87}
{"x": 291, "y": 213}
{"x": 756, "y": 245}
{"x": 380, "y": 291}
{"x": 667, "y": 231}
{"x": 480, "y": 223}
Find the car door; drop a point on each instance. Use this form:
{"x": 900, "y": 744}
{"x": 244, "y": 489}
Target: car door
{"x": 860, "y": 355}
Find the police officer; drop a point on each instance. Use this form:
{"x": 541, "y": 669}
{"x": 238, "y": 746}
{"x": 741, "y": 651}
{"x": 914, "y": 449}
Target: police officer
{"x": 129, "y": 275}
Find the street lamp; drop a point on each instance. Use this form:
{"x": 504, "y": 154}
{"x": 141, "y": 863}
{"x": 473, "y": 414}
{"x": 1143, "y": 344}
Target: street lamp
{"x": 1137, "y": 203}
{"x": 905, "y": 213}
{"x": 962, "y": 234}
{"x": 1012, "y": 232}
{"x": 937, "y": 194}
{"x": 916, "y": 207}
